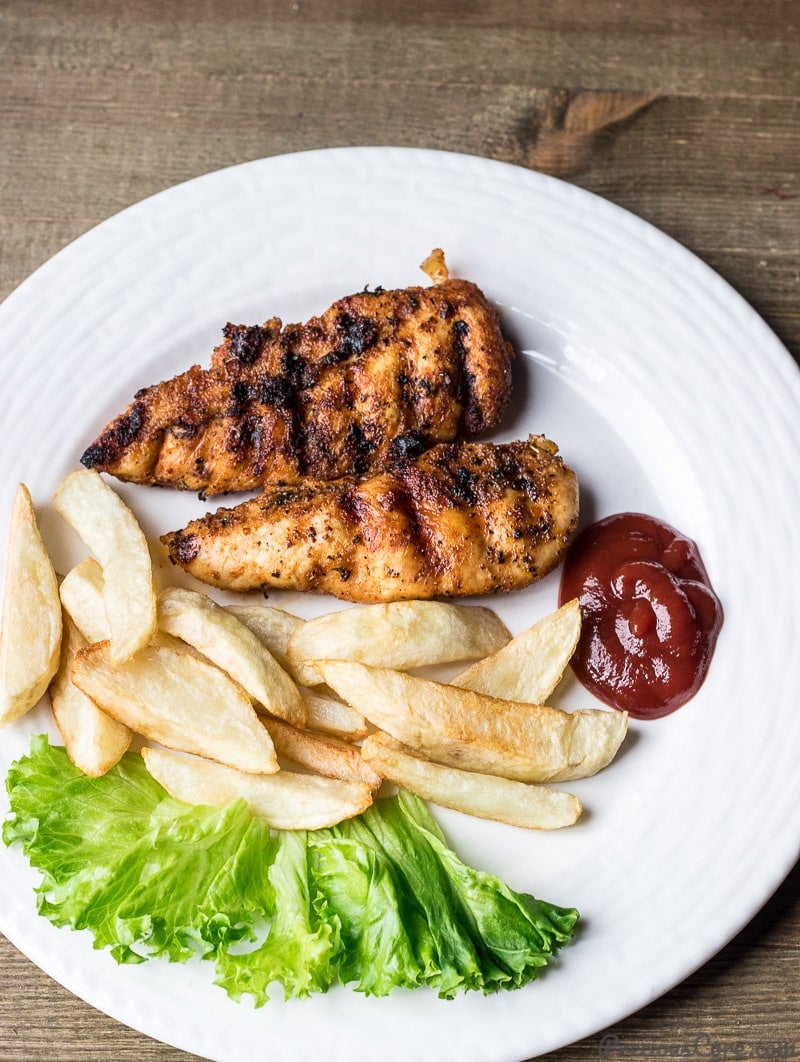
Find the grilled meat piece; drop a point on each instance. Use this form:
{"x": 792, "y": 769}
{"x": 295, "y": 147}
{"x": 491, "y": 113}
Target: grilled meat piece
{"x": 379, "y": 374}
{"x": 460, "y": 519}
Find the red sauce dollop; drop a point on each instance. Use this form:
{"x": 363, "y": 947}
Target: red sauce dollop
{"x": 650, "y": 618}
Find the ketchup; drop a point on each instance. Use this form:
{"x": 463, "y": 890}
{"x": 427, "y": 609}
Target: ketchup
{"x": 650, "y": 617}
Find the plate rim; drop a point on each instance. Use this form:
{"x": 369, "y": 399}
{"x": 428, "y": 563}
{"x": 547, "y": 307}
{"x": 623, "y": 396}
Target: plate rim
{"x": 779, "y": 356}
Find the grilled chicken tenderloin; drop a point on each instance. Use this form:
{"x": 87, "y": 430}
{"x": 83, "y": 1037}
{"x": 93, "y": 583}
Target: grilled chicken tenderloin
{"x": 380, "y": 374}
{"x": 459, "y": 519}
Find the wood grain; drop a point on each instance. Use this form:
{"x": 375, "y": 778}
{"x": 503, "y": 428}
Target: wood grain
{"x": 686, "y": 113}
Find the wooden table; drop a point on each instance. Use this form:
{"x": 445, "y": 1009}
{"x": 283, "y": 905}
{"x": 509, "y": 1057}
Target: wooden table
{"x": 686, "y": 113}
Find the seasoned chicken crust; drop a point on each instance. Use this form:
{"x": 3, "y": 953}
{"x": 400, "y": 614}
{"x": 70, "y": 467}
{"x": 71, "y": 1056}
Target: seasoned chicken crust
{"x": 459, "y": 519}
{"x": 381, "y": 374}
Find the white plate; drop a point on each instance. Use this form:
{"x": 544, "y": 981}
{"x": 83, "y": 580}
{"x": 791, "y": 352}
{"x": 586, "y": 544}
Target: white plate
{"x": 665, "y": 391}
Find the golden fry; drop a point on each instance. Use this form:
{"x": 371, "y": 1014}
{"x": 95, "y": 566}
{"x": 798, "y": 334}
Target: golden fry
{"x": 323, "y": 755}
{"x": 228, "y": 643}
{"x": 530, "y": 743}
{"x": 486, "y": 796}
{"x": 402, "y": 635}
{"x": 180, "y": 700}
{"x": 110, "y": 530}
{"x": 288, "y": 801}
{"x": 531, "y": 665}
{"x": 94, "y": 740}
{"x": 31, "y": 625}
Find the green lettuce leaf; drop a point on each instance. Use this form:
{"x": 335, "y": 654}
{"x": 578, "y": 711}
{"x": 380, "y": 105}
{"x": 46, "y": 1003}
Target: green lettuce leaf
{"x": 300, "y": 949}
{"x": 379, "y": 901}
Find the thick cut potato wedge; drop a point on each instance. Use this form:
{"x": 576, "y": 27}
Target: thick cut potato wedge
{"x": 323, "y": 755}
{"x": 334, "y": 717}
{"x": 288, "y": 801}
{"x": 527, "y": 742}
{"x": 530, "y": 666}
{"x": 228, "y": 643}
{"x": 482, "y": 795}
{"x": 30, "y": 636}
{"x": 401, "y": 635}
{"x": 272, "y": 626}
{"x": 82, "y": 597}
{"x": 94, "y": 740}
{"x": 180, "y": 700}
{"x": 109, "y": 529}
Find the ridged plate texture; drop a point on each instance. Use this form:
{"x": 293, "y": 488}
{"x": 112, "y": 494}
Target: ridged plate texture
{"x": 664, "y": 391}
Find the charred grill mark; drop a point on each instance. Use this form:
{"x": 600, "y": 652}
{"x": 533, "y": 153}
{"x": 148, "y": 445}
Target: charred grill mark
{"x": 352, "y": 505}
{"x": 358, "y": 448}
{"x": 292, "y": 366}
{"x": 247, "y": 438}
{"x": 356, "y": 334}
{"x": 284, "y": 498}
{"x": 471, "y": 415}
{"x": 512, "y": 472}
{"x": 291, "y": 335}
{"x": 276, "y": 391}
{"x": 240, "y": 396}
{"x": 410, "y": 444}
{"x": 246, "y": 342}
{"x": 129, "y": 426}
{"x": 400, "y": 498}
{"x": 358, "y": 443}
{"x": 116, "y": 438}
{"x": 460, "y": 332}
{"x": 297, "y": 438}
{"x": 470, "y": 479}
{"x": 96, "y": 455}
{"x": 185, "y": 429}
{"x": 312, "y": 443}
{"x": 347, "y": 393}
{"x": 464, "y": 488}
{"x": 295, "y": 370}
{"x": 183, "y": 547}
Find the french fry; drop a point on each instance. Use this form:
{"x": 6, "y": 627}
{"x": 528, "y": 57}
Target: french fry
{"x": 227, "y": 642}
{"x": 82, "y": 598}
{"x": 402, "y": 635}
{"x": 30, "y": 635}
{"x": 488, "y": 797}
{"x": 94, "y": 740}
{"x": 531, "y": 665}
{"x": 272, "y": 626}
{"x": 109, "y": 529}
{"x": 460, "y": 728}
{"x": 180, "y": 700}
{"x": 323, "y": 755}
{"x": 333, "y": 717}
{"x": 81, "y": 593}
{"x": 288, "y": 801}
